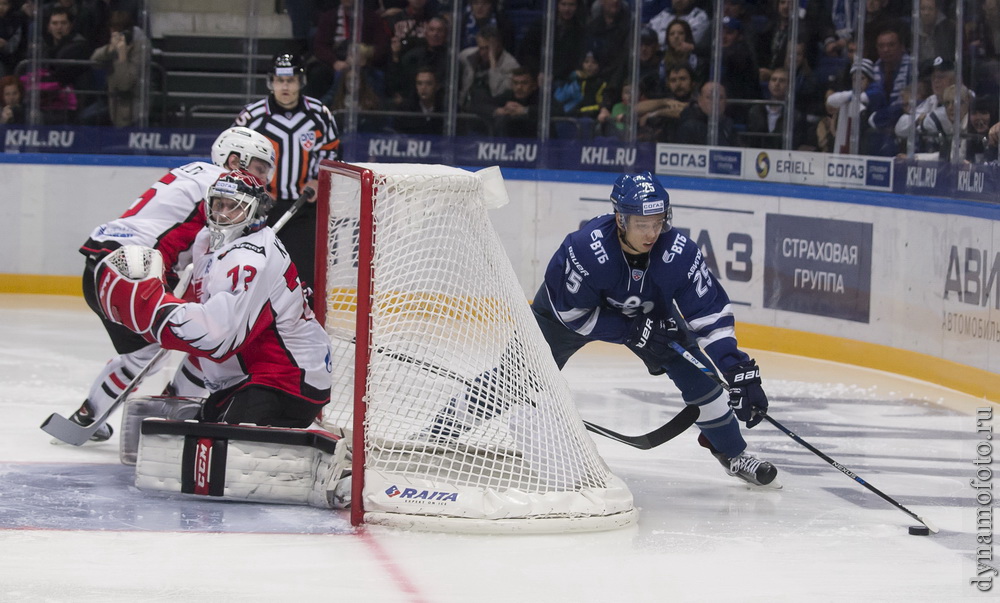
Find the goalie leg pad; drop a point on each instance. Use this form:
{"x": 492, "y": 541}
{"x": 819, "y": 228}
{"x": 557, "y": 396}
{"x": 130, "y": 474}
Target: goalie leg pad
{"x": 144, "y": 407}
{"x": 241, "y": 462}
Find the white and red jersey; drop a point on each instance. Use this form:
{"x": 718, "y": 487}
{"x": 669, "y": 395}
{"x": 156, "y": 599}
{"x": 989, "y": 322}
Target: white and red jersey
{"x": 166, "y": 217}
{"x": 252, "y": 320}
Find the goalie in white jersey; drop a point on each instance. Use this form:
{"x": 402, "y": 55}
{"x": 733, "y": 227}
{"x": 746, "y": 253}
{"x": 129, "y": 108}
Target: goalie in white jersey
{"x": 166, "y": 217}
{"x": 266, "y": 360}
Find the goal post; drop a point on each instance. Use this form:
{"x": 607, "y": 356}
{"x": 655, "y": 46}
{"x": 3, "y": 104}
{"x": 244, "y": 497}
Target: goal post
{"x": 460, "y": 419}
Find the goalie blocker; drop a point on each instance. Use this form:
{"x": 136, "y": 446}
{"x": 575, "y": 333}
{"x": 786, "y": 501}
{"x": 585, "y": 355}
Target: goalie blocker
{"x": 244, "y": 462}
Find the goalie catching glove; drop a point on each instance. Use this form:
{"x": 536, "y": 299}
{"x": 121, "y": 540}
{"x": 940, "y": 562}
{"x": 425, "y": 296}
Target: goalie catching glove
{"x": 650, "y": 339}
{"x": 131, "y": 291}
{"x": 746, "y": 396}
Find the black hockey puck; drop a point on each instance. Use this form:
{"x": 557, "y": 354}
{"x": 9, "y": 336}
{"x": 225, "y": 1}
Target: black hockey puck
{"x": 919, "y": 531}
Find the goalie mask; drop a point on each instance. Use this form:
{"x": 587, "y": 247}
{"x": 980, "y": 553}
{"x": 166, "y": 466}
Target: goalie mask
{"x": 640, "y": 195}
{"x": 237, "y": 205}
{"x": 248, "y": 145}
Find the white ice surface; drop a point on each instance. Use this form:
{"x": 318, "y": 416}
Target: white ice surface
{"x": 72, "y": 528}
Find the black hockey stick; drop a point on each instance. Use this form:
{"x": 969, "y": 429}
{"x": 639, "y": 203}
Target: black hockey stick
{"x": 73, "y": 433}
{"x": 676, "y": 426}
{"x": 849, "y": 473}
{"x": 307, "y": 194}
{"x": 810, "y": 447}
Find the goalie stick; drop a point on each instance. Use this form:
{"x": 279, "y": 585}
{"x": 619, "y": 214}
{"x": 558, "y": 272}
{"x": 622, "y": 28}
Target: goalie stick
{"x": 930, "y": 526}
{"x": 73, "y": 433}
{"x": 673, "y": 428}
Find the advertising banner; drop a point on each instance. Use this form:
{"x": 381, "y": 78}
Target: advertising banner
{"x": 818, "y": 266}
{"x": 975, "y": 182}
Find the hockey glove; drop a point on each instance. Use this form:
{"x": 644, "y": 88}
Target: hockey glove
{"x": 746, "y": 396}
{"x": 130, "y": 290}
{"x": 650, "y": 339}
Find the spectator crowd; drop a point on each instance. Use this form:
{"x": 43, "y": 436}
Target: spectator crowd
{"x": 92, "y": 54}
{"x": 400, "y": 75}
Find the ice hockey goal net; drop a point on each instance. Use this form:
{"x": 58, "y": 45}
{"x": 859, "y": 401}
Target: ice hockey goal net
{"x": 461, "y": 420}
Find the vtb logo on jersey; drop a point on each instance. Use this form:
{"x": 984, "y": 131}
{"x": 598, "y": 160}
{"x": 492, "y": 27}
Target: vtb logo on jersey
{"x": 308, "y": 140}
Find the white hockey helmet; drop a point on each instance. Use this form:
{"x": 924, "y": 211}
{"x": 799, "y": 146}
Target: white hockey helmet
{"x": 237, "y": 204}
{"x": 247, "y": 144}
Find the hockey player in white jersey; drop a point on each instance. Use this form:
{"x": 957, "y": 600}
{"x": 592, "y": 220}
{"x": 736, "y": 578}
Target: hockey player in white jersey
{"x": 265, "y": 359}
{"x": 166, "y": 217}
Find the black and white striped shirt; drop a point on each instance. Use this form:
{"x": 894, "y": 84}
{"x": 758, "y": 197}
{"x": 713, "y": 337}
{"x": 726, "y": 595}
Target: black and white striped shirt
{"x": 302, "y": 137}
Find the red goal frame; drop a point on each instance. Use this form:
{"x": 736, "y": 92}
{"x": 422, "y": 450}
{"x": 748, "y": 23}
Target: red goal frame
{"x": 366, "y": 239}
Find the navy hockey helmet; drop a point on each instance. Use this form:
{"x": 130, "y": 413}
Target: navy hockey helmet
{"x": 237, "y": 204}
{"x": 640, "y": 195}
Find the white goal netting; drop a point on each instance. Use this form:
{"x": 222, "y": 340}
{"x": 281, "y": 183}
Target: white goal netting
{"x": 468, "y": 424}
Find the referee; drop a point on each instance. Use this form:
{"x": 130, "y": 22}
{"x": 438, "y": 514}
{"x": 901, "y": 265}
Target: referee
{"x": 303, "y": 133}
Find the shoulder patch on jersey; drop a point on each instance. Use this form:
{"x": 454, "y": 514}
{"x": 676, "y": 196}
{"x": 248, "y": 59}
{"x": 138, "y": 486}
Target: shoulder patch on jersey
{"x": 676, "y": 247}
{"x": 243, "y": 245}
{"x": 600, "y": 254}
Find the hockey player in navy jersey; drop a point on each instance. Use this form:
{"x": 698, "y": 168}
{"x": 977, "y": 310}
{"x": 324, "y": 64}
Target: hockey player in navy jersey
{"x": 629, "y": 278}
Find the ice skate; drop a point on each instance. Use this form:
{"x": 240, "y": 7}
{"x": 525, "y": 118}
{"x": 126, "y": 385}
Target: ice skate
{"x": 750, "y": 469}
{"x": 84, "y": 416}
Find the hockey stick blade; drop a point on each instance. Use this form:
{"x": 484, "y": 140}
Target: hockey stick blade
{"x": 67, "y": 431}
{"x": 676, "y": 426}
{"x": 930, "y": 526}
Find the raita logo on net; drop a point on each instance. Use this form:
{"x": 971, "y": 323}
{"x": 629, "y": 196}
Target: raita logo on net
{"x": 412, "y": 494}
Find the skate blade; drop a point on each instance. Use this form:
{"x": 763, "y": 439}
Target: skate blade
{"x": 775, "y": 484}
